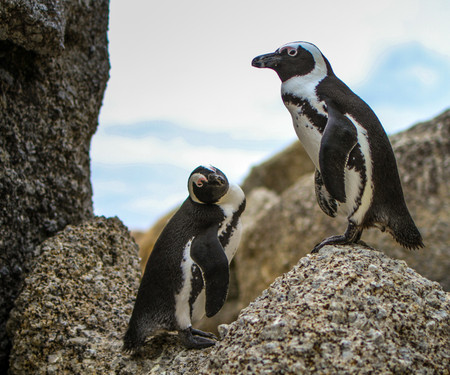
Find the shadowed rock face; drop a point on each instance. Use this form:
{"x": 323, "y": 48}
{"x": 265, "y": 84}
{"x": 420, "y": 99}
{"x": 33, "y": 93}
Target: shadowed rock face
{"x": 53, "y": 72}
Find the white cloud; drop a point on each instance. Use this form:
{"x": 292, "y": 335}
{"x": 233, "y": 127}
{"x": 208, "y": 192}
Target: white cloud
{"x": 189, "y": 62}
{"x": 115, "y": 150}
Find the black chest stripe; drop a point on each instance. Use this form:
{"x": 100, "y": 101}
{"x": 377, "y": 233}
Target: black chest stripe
{"x": 318, "y": 120}
{"x": 226, "y": 234}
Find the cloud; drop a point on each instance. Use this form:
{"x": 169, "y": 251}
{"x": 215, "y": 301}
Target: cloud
{"x": 140, "y": 171}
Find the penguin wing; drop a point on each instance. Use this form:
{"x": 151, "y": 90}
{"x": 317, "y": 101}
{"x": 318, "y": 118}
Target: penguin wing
{"x": 338, "y": 140}
{"x": 208, "y": 253}
{"x": 327, "y": 203}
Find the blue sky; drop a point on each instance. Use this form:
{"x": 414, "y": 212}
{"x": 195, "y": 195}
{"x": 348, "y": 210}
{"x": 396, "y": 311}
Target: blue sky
{"x": 182, "y": 91}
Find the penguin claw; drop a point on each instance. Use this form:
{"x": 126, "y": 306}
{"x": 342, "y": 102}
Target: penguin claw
{"x": 200, "y": 333}
{"x": 351, "y": 235}
{"x": 198, "y": 341}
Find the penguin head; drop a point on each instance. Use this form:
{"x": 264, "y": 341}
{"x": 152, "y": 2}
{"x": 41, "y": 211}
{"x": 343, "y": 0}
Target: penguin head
{"x": 294, "y": 59}
{"x": 207, "y": 185}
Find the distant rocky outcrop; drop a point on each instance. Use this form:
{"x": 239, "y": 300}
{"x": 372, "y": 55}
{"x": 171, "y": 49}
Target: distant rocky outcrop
{"x": 281, "y": 228}
{"x": 53, "y": 72}
{"x": 280, "y": 171}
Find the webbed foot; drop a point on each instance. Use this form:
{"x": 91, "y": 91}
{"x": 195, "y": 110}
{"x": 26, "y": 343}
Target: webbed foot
{"x": 351, "y": 235}
{"x": 195, "y": 339}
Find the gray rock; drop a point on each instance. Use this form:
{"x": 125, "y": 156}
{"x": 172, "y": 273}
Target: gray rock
{"x": 75, "y": 305}
{"x": 346, "y": 310}
{"x": 34, "y": 25}
{"x": 50, "y": 97}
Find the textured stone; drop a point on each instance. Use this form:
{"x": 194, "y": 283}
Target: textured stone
{"x": 75, "y": 305}
{"x": 346, "y": 310}
{"x": 34, "y": 25}
{"x": 50, "y": 97}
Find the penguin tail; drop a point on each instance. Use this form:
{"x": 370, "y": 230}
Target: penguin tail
{"x": 405, "y": 232}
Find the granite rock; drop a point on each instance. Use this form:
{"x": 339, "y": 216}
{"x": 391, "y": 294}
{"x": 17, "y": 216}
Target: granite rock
{"x": 53, "y": 72}
{"x": 346, "y": 310}
{"x": 75, "y": 305}
{"x": 34, "y": 25}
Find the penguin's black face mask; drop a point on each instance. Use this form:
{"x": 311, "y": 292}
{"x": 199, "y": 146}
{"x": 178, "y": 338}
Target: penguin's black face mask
{"x": 207, "y": 185}
{"x": 287, "y": 62}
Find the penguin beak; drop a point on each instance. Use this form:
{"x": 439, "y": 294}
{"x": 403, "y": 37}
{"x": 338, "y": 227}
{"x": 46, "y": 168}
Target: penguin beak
{"x": 216, "y": 179}
{"x": 269, "y": 60}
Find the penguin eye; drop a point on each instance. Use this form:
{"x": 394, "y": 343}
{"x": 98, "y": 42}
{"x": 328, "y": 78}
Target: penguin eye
{"x": 292, "y": 52}
{"x": 199, "y": 180}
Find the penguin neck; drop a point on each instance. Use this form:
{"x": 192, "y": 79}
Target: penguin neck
{"x": 305, "y": 86}
{"x": 233, "y": 198}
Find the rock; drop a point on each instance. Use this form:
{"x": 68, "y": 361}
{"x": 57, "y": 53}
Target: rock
{"x": 345, "y": 310}
{"x": 53, "y": 72}
{"x": 34, "y": 25}
{"x": 349, "y": 310}
{"x": 280, "y": 171}
{"x": 281, "y": 228}
{"x": 75, "y": 305}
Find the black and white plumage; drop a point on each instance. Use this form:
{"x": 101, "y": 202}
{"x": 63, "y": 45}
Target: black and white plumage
{"x": 356, "y": 170}
{"x": 187, "y": 273}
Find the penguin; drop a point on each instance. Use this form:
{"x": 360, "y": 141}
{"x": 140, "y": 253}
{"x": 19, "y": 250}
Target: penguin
{"x": 356, "y": 172}
{"x": 187, "y": 273}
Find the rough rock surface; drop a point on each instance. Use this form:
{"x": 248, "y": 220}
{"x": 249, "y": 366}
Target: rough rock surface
{"x": 281, "y": 228}
{"x": 75, "y": 305}
{"x": 347, "y": 310}
{"x": 53, "y": 72}
{"x": 34, "y": 25}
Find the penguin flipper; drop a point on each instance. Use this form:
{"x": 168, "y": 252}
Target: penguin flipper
{"x": 338, "y": 140}
{"x": 327, "y": 203}
{"x": 208, "y": 253}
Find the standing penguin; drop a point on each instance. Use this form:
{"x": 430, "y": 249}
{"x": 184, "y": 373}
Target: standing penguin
{"x": 356, "y": 172}
{"x": 187, "y": 273}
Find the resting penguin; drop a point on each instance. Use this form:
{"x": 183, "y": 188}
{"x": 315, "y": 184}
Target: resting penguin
{"x": 187, "y": 273}
{"x": 356, "y": 172}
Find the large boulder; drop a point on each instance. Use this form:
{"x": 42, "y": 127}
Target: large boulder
{"x": 348, "y": 309}
{"x": 280, "y": 171}
{"x": 75, "y": 305}
{"x": 53, "y": 72}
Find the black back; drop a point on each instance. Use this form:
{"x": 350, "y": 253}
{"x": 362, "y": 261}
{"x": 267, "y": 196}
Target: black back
{"x": 162, "y": 280}
{"x": 387, "y": 196}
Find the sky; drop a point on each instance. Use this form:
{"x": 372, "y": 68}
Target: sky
{"x": 182, "y": 91}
